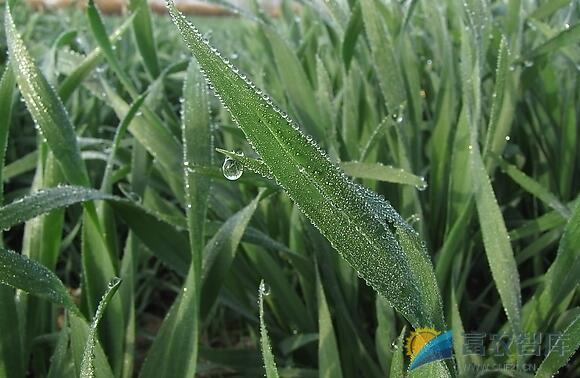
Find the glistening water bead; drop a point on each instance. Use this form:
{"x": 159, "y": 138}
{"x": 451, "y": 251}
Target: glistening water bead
{"x": 232, "y": 169}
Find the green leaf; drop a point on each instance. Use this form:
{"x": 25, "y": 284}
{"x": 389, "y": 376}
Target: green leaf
{"x": 80, "y": 330}
{"x": 549, "y": 7}
{"x": 88, "y": 362}
{"x": 503, "y": 58}
{"x": 562, "y": 350}
{"x": 269, "y": 363}
{"x": 398, "y": 362}
{"x": 106, "y": 184}
{"x": 219, "y": 253}
{"x": 11, "y": 361}
{"x": 143, "y": 33}
{"x": 27, "y": 275}
{"x": 174, "y": 352}
{"x": 296, "y": 82}
{"x": 353, "y": 29}
{"x": 561, "y": 279}
{"x": 61, "y": 364}
{"x": 100, "y": 34}
{"x": 498, "y": 249}
{"x": 386, "y": 173}
{"x": 535, "y": 188}
{"x": 45, "y": 107}
{"x": 383, "y": 52}
{"x": 341, "y": 210}
{"x": 328, "y": 356}
{"x": 164, "y": 240}
{"x": 44, "y": 201}
{"x": 564, "y": 38}
{"x": 82, "y": 70}
{"x": 7, "y": 85}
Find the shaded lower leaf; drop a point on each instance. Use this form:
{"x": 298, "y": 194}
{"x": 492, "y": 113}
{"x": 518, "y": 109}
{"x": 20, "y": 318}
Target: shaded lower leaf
{"x": 269, "y": 363}
{"x": 88, "y": 362}
{"x": 562, "y": 350}
{"x": 27, "y": 275}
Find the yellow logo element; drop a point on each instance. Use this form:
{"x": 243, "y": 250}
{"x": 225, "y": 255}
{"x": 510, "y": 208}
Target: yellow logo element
{"x": 418, "y": 339}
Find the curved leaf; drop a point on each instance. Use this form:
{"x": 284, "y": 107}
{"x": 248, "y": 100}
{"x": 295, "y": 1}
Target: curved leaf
{"x": 89, "y": 355}
{"x": 27, "y": 275}
{"x": 334, "y": 204}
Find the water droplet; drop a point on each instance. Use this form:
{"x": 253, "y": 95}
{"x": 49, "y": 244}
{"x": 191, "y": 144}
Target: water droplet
{"x": 422, "y": 185}
{"x": 528, "y": 63}
{"x": 566, "y": 26}
{"x": 114, "y": 281}
{"x": 232, "y": 169}
{"x": 507, "y": 138}
{"x": 265, "y": 289}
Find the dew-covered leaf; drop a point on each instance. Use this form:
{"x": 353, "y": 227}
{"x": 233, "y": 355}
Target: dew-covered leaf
{"x": 46, "y": 107}
{"x": 387, "y": 173}
{"x": 396, "y": 266}
{"x": 88, "y": 362}
{"x": 269, "y": 363}
{"x": 563, "y": 349}
{"x": 27, "y": 275}
{"x": 44, "y": 201}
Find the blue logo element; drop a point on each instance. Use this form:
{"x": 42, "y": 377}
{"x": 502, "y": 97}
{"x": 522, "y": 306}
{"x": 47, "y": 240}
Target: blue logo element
{"x": 438, "y": 348}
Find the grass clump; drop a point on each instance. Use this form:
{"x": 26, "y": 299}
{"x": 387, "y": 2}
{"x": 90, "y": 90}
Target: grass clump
{"x": 390, "y": 166}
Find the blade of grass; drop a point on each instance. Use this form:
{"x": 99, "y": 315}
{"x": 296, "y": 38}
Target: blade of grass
{"x": 332, "y": 202}
{"x": 179, "y": 334}
{"x": 386, "y": 173}
{"x": 81, "y": 71}
{"x": 10, "y": 346}
{"x": 496, "y": 240}
{"x": 45, "y": 201}
{"x": 296, "y": 82}
{"x": 45, "y": 107}
{"x": 385, "y": 334}
{"x": 268, "y": 357}
{"x": 54, "y": 125}
{"x": 219, "y": 253}
{"x": 398, "y": 362}
{"x": 61, "y": 364}
{"x": 535, "y": 188}
{"x": 27, "y": 275}
{"x": 548, "y": 8}
{"x": 88, "y": 361}
{"x": 564, "y": 38}
{"x": 100, "y": 34}
{"x": 144, "y": 37}
{"x": 353, "y": 30}
{"x": 106, "y": 184}
{"x": 562, "y": 350}
{"x": 80, "y": 330}
{"x": 561, "y": 279}
{"x": 328, "y": 356}
{"x": 164, "y": 240}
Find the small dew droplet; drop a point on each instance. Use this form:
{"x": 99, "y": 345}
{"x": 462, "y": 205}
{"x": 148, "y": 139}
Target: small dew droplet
{"x": 232, "y": 169}
{"x": 422, "y": 185}
{"x": 265, "y": 289}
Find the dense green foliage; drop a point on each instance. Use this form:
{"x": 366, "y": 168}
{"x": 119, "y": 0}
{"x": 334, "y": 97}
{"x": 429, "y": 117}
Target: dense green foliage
{"x": 413, "y": 164}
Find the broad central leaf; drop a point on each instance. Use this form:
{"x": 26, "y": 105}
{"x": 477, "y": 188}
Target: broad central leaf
{"x": 360, "y": 225}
